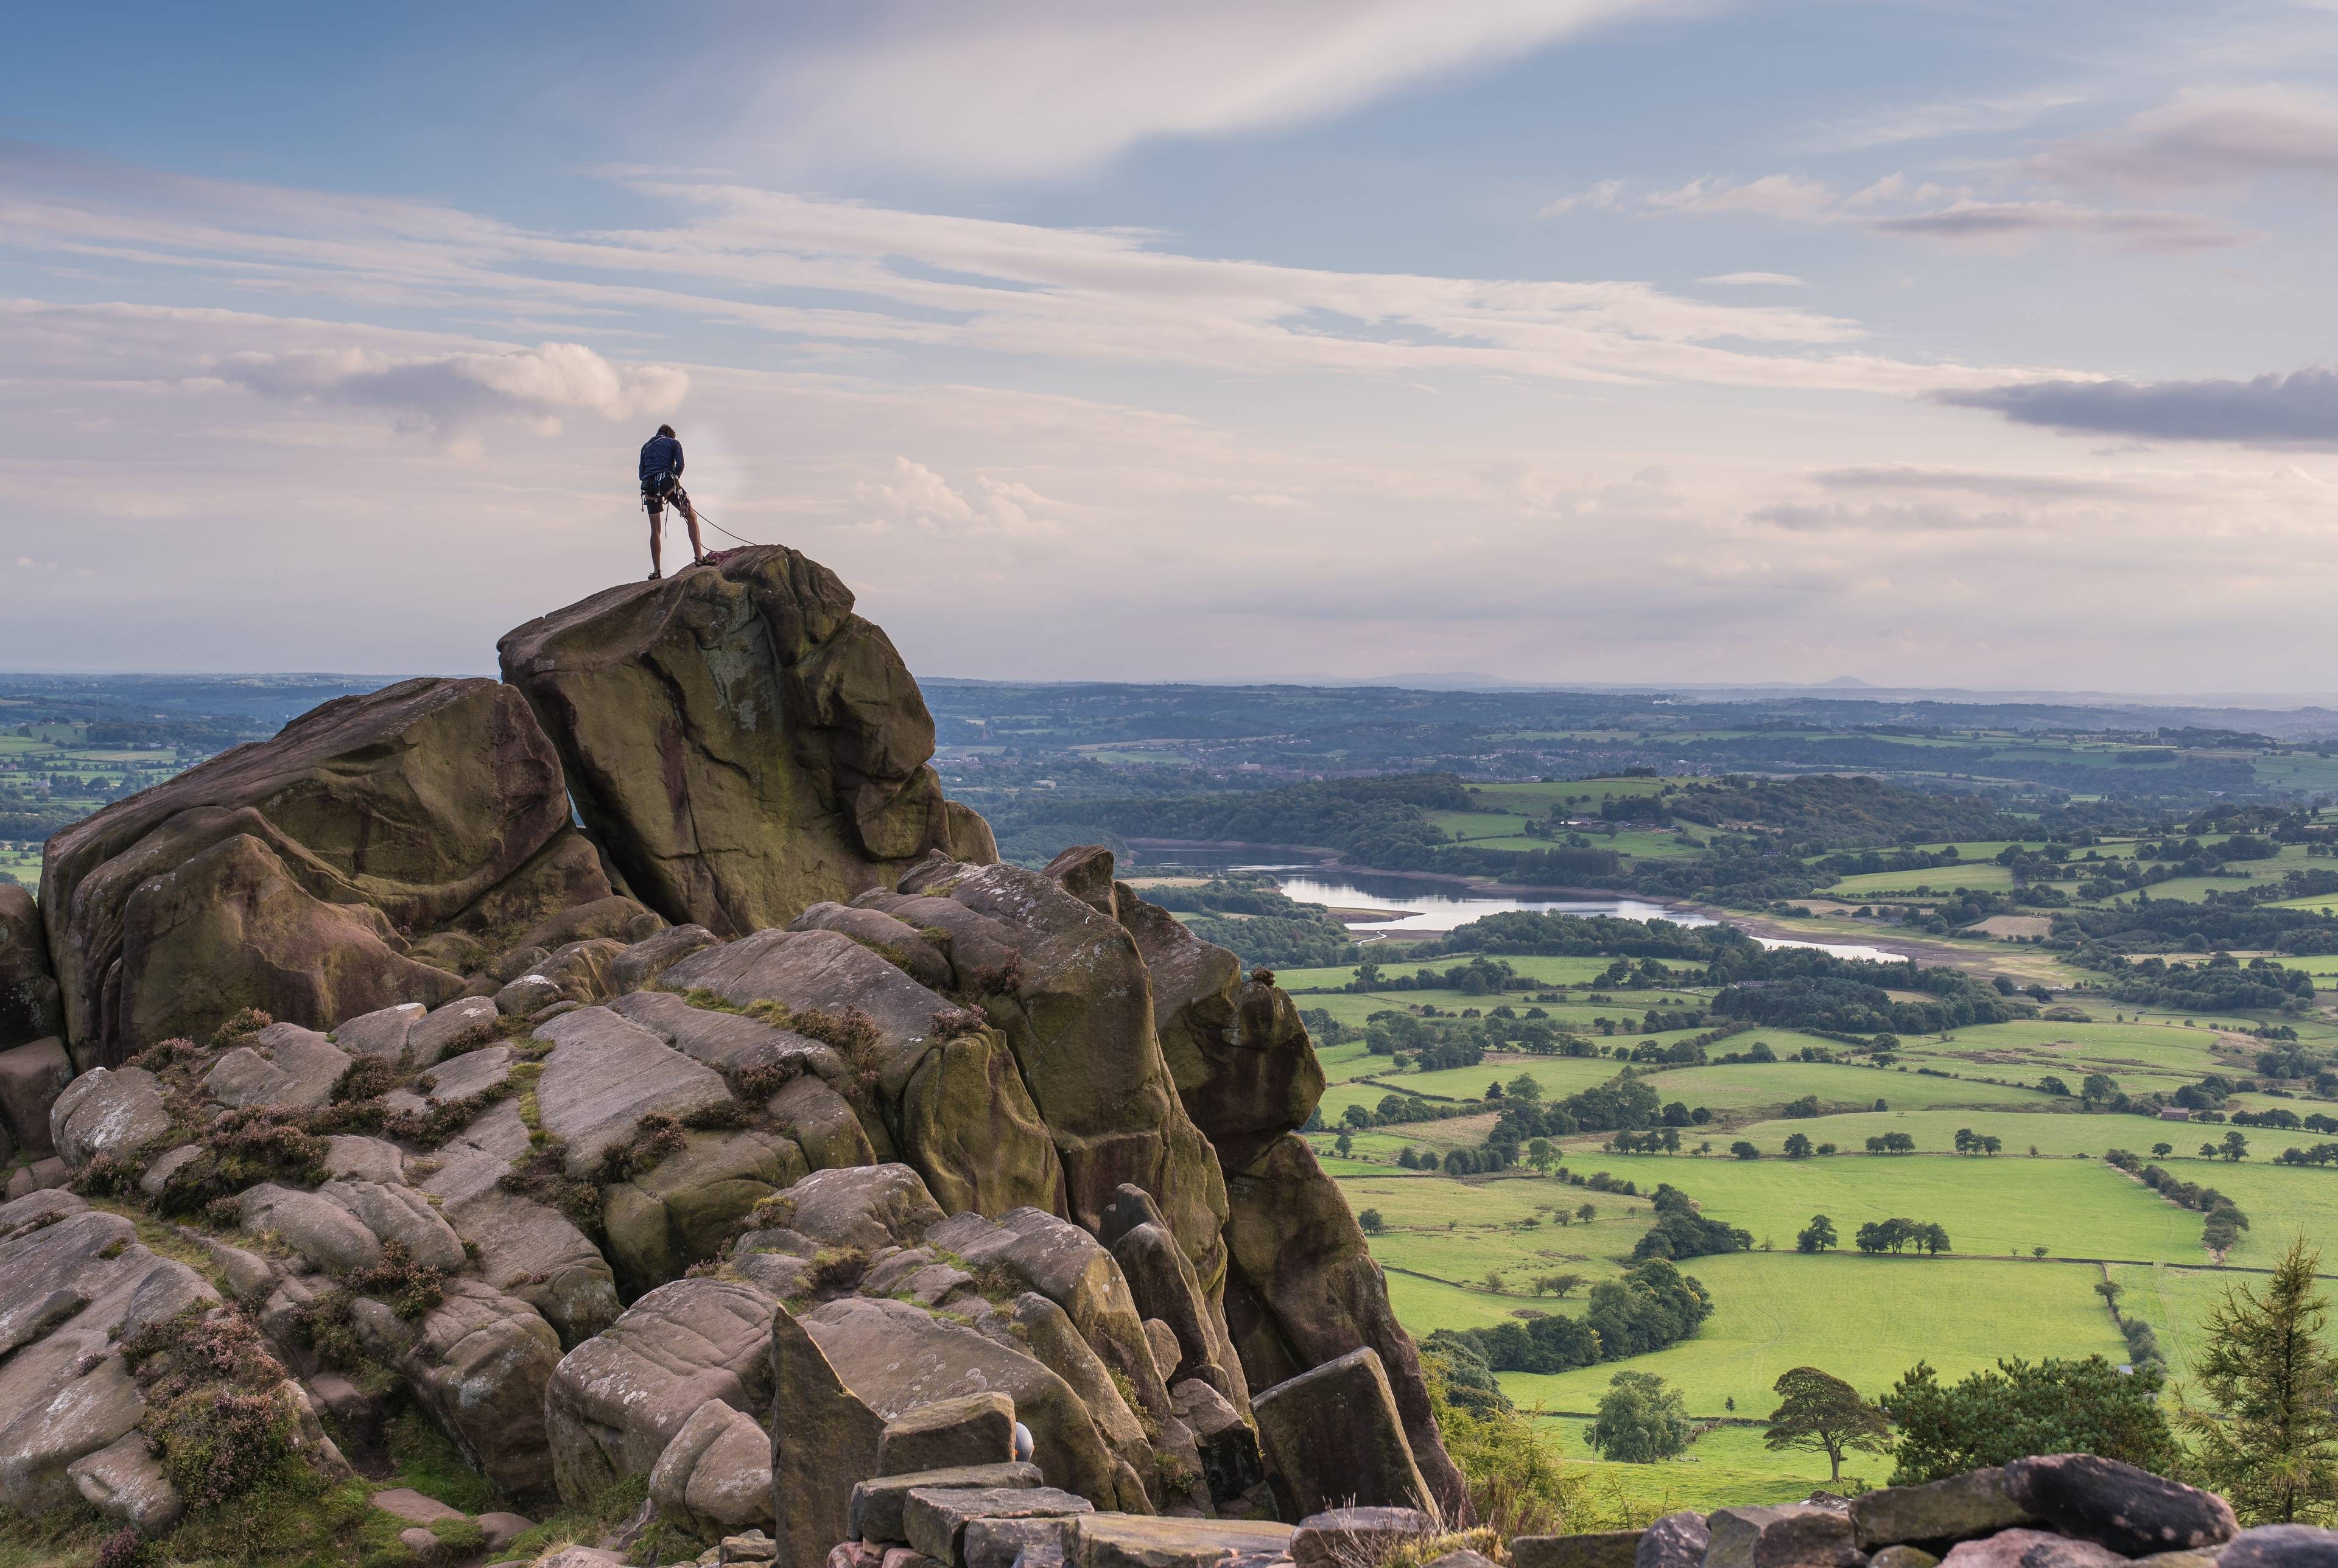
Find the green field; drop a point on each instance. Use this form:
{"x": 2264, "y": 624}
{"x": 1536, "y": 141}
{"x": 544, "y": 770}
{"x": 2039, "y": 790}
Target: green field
{"x": 1937, "y": 879}
{"x": 1858, "y": 1317}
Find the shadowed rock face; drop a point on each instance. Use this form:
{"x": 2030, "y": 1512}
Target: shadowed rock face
{"x": 29, "y": 1008}
{"x": 741, "y": 742}
{"x": 373, "y": 851}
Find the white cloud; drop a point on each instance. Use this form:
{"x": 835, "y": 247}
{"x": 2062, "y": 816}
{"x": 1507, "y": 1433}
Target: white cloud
{"x": 454, "y": 392}
{"x": 917, "y": 495}
{"x": 825, "y": 276}
{"x": 1050, "y": 87}
{"x": 1772, "y": 196}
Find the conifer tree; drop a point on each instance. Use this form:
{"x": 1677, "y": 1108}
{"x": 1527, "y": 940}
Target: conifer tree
{"x": 2267, "y": 1438}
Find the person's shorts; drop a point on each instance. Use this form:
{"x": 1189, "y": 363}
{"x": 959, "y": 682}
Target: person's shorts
{"x": 656, "y": 500}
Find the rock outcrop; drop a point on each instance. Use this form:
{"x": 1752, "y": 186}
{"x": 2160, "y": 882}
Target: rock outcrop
{"x": 889, "y": 1183}
{"x": 377, "y": 850}
{"x": 743, "y": 742}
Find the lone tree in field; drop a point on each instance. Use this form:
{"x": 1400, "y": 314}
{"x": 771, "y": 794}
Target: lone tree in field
{"x": 1640, "y": 1420}
{"x": 1821, "y": 1414}
{"x": 1817, "y": 1236}
{"x": 2268, "y": 1439}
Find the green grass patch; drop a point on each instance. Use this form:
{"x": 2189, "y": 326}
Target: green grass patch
{"x": 1865, "y": 1320}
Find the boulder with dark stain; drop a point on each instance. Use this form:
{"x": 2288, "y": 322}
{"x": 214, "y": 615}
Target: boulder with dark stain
{"x": 739, "y": 740}
{"x": 373, "y": 852}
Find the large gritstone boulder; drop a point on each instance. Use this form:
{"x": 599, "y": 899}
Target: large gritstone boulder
{"x": 1244, "y": 1067}
{"x": 617, "y": 1400}
{"x": 29, "y": 1005}
{"x": 1302, "y": 1290}
{"x": 375, "y": 852}
{"x": 744, "y": 744}
{"x": 1069, "y": 991}
{"x": 844, "y": 1369}
{"x": 1332, "y": 1436}
{"x": 946, "y": 1084}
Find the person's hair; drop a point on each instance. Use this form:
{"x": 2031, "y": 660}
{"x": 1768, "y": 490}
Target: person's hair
{"x": 665, "y": 430}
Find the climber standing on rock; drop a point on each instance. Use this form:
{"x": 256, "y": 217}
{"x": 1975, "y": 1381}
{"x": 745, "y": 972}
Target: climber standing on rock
{"x": 662, "y": 483}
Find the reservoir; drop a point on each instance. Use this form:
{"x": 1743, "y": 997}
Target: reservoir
{"x": 1417, "y": 906}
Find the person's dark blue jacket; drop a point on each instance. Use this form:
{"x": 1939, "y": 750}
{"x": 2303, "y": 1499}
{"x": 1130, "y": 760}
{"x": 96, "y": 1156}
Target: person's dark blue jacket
{"x": 660, "y": 456}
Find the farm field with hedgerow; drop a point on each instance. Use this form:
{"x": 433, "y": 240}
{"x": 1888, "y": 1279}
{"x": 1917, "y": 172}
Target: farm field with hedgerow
{"x": 2031, "y": 1228}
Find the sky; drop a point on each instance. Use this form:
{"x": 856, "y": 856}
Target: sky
{"x": 1930, "y": 343}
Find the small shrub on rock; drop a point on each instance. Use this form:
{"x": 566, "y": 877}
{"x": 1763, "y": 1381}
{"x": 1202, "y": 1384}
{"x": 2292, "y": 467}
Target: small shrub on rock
{"x": 999, "y": 979}
{"x": 951, "y": 1022}
{"x": 239, "y": 1028}
{"x": 441, "y": 1120}
{"x": 166, "y": 1054}
{"x": 216, "y": 1402}
{"x": 109, "y": 1176}
{"x": 126, "y": 1548}
{"x": 409, "y": 1287}
{"x": 836, "y": 1269}
{"x": 724, "y": 1117}
{"x": 369, "y": 1078}
{"x": 655, "y": 1136}
{"x": 855, "y": 1036}
{"x": 760, "y": 1081}
{"x": 242, "y": 1148}
{"x": 323, "y": 1328}
{"x": 543, "y": 1176}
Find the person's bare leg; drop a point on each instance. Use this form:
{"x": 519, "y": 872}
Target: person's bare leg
{"x": 690, "y": 516}
{"x": 657, "y": 541}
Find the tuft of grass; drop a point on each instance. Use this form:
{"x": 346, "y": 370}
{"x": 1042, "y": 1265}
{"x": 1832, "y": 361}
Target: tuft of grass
{"x": 586, "y": 1522}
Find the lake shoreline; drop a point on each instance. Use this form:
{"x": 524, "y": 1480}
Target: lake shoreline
{"x": 1316, "y": 861}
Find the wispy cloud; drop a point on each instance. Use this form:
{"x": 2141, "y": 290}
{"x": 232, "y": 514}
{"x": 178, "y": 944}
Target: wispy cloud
{"x": 1942, "y": 117}
{"x": 2208, "y": 140}
{"x": 1049, "y": 87}
{"x": 1755, "y": 280}
{"x": 2296, "y": 409}
{"x": 2015, "y": 225}
{"x": 1907, "y": 208}
{"x": 821, "y": 273}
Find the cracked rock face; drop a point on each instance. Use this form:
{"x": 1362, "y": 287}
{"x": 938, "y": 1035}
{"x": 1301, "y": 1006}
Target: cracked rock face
{"x": 744, "y": 744}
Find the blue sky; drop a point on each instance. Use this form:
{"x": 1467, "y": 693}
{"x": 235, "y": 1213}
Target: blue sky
{"x": 1933, "y": 343}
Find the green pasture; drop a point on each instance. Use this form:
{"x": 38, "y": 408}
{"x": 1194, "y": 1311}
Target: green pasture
{"x": 1865, "y": 1320}
{"x": 1749, "y": 1085}
{"x": 1935, "y": 1131}
{"x": 2321, "y": 966}
{"x": 1941, "y": 879}
{"x": 1558, "y": 1075}
{"x": 2282, "y": 1201}
{"x": 1410, "y": 1202}
{"x": 2026, "y": 1049}
{"x": 1728, "y": 1466}
{"x": 1538, "y": 800}
{"x": 2003, "y": 1206}
{"x": 1551, "y": 971}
